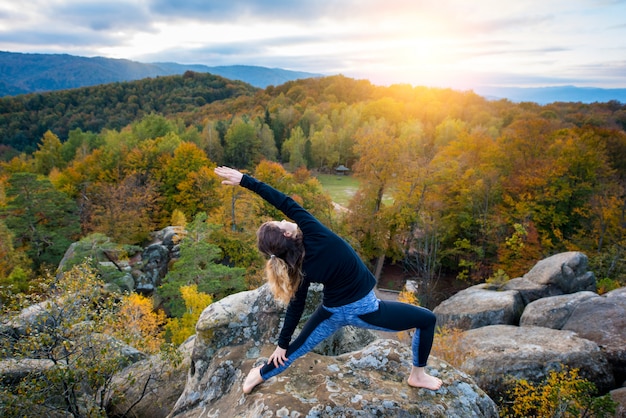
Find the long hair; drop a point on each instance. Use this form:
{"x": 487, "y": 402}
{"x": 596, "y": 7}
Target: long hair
{"x": 283, "y": 269}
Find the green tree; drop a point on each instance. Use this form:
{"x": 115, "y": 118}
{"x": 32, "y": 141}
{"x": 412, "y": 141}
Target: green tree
{"x": 48, "y": 154}
{"x": 199, "y": 264}
{"x": 43, "y": 221}
{"x": 242, "y": 148}
{"x": 294, "y": 149}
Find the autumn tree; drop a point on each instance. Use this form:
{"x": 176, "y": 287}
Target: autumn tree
{"x": 122, "y": 211}
{"x": 380, "y": 155}
{"x": 76, "y": 359}
{"x": 179, "y": 329}
{"x": 138, "y": 323}
{"x": 187, "y": 181}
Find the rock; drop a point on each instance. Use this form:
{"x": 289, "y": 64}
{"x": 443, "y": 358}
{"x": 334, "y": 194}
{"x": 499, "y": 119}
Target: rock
{"x": 500, "y": 352}
{"x": 619, "y": 396}
{"x": 565, "y": 272}
{"x": 480, "y": 306}
{"x": 553, "y": 312}
{"x": 240, "y": 331}
{"x": 150, "y": 387}
{"x": 14, "y": 370}
{"x": 368, "y": 382}
{"x": 155, "y": 263}
{"x": 529, "y": 290}
{"x": 603, "y": 320}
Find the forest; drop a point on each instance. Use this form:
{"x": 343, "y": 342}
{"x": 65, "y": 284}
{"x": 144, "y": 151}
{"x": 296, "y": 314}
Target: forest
{"x": 451, "y": 184}
{"x": 479, "y": 189}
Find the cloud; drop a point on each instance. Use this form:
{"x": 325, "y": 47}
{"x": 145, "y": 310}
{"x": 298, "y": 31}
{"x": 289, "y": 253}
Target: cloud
{"x": 103, "y": 16}
{"x": 234, "y": 10}
{"x": 398, "y": 40}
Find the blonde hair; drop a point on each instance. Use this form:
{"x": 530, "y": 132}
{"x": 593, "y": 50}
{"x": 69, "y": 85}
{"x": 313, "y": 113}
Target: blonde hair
{"x": 283, "y": 270}
{"x": 282, "y": 285}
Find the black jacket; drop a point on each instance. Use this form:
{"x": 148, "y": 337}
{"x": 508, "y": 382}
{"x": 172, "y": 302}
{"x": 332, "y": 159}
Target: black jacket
{"x": 328, "y": 259}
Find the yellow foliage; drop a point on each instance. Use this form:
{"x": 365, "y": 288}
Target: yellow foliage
{"x": 138, "y": 324}
{"x": 179, "y": 329}
{"x": 448, "y": 346}
{"x": 409, "y": 297}
{"x": 562, "y": 394}
{"x": 178, "y": 219}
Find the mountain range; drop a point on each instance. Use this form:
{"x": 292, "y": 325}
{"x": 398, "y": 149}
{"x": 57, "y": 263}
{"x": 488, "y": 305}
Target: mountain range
{"x": 22, "y": 73}
{"x": 38, "y": 73}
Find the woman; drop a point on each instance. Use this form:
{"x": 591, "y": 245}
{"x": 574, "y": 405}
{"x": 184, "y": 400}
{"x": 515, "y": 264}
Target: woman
{"x": 307, "y": 252}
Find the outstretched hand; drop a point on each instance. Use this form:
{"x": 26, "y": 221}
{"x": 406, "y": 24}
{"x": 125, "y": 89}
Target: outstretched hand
{"x": 278, "y": 357}
{"x": 231, "y": 176}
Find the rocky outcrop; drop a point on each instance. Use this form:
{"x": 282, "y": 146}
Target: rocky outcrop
{"x": 150, "y": 387}
{"x": 500, "y": 352}
{"x": 489, "y": 304}
{"x": 237, "y": 332}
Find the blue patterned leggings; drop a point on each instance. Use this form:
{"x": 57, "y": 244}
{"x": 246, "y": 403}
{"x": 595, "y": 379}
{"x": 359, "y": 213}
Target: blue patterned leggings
{"x": 368, "y": 312}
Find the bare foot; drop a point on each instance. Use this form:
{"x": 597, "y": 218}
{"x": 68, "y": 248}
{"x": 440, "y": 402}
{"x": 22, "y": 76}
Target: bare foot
{"x": 252, "y": 380}
{"x": 420, "y": 379}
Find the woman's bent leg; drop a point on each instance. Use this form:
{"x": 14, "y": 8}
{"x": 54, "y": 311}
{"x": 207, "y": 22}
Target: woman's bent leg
{"x": 397, "y": 316}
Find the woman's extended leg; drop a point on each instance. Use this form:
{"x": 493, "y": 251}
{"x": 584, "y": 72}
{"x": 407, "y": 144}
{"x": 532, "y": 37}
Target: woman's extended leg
{"x": 316, "y": 329}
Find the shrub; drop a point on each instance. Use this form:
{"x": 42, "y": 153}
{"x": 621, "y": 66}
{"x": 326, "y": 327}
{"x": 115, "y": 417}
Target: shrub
{"x": 448, "y": 346}
{"x": 563, "y": 394}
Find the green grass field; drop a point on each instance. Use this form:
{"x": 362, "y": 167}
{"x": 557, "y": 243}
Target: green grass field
{"x": 340, "y": 188}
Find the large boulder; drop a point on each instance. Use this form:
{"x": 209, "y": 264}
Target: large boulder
{"x": 498, "y": 353}
{"x": 563, "y": 273}
{"x": 494, "y": 304}
{"x": 480, "y": 306}
{"x": 236, "y": 333}
{"x": 560, "y": 274}
{"x": 603, "y": 320}
{"x": 553, "y": 312}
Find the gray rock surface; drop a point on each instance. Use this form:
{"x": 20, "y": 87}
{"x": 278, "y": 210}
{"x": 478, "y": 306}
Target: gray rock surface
{"x": 567, "y": 272}
{"x": 603, "y": 321}
{"x": 553, "y": 312}
{"x": 480, "y": 306}
{"x": 619, "y": 396}
{"x": 150, "y": 388}
{"x": 501, "y": 352}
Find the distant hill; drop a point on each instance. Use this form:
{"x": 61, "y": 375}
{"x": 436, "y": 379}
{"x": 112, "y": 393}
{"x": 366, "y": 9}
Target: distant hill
{"x": 545, "y": 95}
{"x": 37, "y": 73}
{"x": 26, "y": 117}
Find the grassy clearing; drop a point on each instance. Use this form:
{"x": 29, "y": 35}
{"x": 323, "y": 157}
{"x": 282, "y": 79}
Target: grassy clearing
{"x": 340, "y": 188}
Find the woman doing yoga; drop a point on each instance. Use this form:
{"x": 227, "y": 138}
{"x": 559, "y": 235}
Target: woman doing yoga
{"x": 305, "y": 251}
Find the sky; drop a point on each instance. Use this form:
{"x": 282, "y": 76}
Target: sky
{"x": 459, "y": 44}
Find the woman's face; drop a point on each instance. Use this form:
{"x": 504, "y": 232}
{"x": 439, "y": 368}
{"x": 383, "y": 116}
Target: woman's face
{"x": 289, "y": 229}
